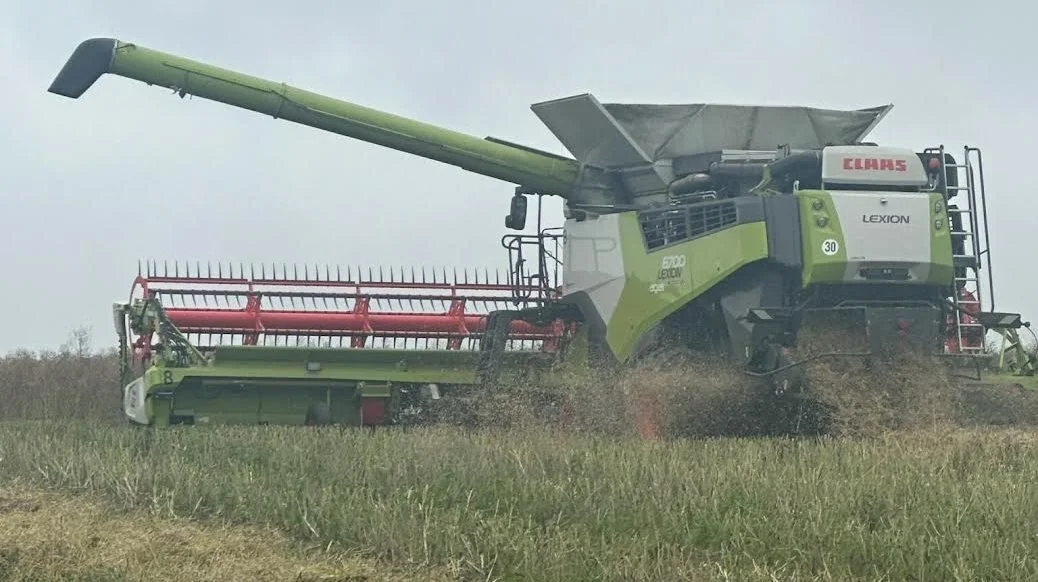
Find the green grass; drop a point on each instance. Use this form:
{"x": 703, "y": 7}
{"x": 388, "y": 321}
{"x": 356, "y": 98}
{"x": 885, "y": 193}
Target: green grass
{"x": 933, "y": 505}
{"x": 899, "y": 495}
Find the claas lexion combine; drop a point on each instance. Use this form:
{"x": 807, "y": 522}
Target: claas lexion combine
{"x": 716, "y": 229}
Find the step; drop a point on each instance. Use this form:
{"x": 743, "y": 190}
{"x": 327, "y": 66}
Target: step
{"x": 964, "y": 261}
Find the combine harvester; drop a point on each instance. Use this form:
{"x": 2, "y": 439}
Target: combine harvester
{"x": 719, "y": 229}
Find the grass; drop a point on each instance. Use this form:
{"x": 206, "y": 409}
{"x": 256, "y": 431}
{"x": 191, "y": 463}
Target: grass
{"x": 912, "y": 486}
{"x": 537, "y": 505}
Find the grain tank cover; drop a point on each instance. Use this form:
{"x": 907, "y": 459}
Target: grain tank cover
{"x": 642, "y": 141}
{"x": 614, "y": 135}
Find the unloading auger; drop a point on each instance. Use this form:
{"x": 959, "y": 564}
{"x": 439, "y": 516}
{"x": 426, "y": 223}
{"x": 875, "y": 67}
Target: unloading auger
{"x": 722, "y": 229}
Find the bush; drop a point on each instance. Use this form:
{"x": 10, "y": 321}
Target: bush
{"x": 72, "y": 382}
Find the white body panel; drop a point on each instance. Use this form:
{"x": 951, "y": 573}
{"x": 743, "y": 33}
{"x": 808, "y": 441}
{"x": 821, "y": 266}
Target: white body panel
{"x": 593, "y": 261}
{"x": 133, "y": 401}
{"x": 872, "y": 165}
{"x": 885, "y": 229}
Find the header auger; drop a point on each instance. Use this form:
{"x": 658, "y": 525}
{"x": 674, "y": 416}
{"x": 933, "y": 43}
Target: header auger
{"x": 718, "y": 229}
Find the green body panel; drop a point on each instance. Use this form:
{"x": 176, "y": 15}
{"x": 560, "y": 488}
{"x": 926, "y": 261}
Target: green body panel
{"x": 942, "y": 265}
{"x": 253, "y": 384}
{"x": 649, "y": 294}
{"x": 286, "y": 363}
{"x": 444, "y": 366}
{"x": 253, "y": 401}
{"x": 543, "y": 172}
{"x": 819, "y": 267}
{"x": 256, "y": 402}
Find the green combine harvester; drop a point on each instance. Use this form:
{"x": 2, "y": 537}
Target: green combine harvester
{"x": 717, "y": 229}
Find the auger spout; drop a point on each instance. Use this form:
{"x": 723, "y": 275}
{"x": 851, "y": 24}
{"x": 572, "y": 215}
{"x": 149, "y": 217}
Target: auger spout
{"x": 535, "y": 171}
{"x": 624, "y": 156}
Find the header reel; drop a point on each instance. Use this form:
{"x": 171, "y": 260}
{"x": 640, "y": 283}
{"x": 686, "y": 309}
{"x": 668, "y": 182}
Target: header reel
{"x": 209, "y": 307}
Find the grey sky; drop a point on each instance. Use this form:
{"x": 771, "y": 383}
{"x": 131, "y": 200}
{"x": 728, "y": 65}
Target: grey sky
{"x": 127, "y": 171}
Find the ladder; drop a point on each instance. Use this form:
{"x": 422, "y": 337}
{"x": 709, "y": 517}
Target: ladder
{"x": 963, "y": 188}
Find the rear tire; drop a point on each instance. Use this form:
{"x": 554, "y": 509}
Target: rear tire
{"x": 318, "y": 414}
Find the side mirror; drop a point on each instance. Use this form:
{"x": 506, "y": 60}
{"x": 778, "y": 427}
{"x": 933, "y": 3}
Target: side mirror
{"x": 516, "y": 219}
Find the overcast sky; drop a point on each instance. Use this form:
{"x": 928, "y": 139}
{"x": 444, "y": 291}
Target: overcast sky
{"x": 131, "y": 172}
